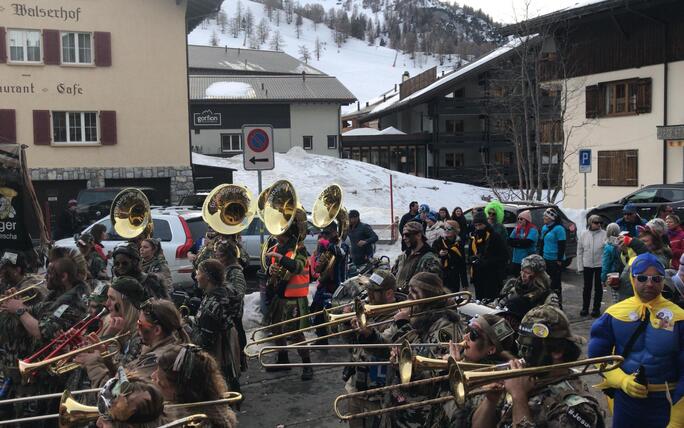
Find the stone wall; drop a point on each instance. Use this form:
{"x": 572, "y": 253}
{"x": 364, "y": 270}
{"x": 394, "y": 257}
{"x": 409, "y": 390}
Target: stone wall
{"x": 181, "y": 176}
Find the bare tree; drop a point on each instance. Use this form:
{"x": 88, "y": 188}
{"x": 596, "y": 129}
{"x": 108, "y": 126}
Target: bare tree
{"x": 222, "y": 21}
{"x": 263, "y": 30}
{"x": 277, "y": 42}
{"x": 214, "y": 40}
{"x": 317, "y": 49}
{"x": 298, "y": 25}
{"x": 254, "y": 41}
{"x": 304, "y": 54}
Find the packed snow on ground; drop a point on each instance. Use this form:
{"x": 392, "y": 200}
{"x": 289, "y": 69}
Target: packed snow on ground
{"x": 364, "y": 70}
{"x": 230, "y": 90}
{"x": 366, "y": 186}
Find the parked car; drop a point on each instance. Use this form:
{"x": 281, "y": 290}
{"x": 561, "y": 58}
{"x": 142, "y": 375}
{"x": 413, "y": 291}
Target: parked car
{"x": 195, "y": 200}
{"x": 252, "y": 243}
{"x": 513, "y": 208}
{"x": 647, "y": 200}
{"x": 177, "y": 231}
{"x": 96, "y": 202}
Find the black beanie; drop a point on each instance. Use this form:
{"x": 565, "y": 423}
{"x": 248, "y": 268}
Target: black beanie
{"x": 131, "y": 288}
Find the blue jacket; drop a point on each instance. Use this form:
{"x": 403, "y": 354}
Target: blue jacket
{"x": 660, "y": 351}
{"x": 631, "y": 228}
{"x": 523, "y": 245}
{"x": 553, "y": 242}
{"x": 610, "y": 262}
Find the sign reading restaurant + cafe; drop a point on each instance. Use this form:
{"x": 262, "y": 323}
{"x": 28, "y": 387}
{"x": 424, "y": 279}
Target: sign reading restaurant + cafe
{"x": 206, "y": 118}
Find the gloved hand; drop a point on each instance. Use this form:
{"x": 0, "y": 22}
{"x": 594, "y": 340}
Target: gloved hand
{"x": 677, "y": 415}
{"x": 621, "y": 380}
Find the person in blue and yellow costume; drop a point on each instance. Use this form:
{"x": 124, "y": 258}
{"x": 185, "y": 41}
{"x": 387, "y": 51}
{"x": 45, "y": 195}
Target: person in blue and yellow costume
{"x": 648, "y": 331}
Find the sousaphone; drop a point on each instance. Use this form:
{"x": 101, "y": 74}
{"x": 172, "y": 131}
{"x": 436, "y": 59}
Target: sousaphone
{"x": 229, "y": 209}
{"x": 130, "y": 214}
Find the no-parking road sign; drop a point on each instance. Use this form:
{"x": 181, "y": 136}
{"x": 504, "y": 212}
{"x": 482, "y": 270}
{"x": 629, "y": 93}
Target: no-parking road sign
{"x": 257, "y": 147}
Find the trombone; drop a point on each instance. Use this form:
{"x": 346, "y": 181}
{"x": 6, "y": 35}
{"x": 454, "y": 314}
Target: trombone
{"x": 192, "y": 421}
{"x": 464, "y": 384}
{"x": 24, "y": 299}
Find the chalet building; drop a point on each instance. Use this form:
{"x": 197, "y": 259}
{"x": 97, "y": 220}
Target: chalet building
{"x": 452, "y": 127}
{"x": 98, "y": 92}
{"x": 626, "y": 67}
{"x": 231, "y": 87}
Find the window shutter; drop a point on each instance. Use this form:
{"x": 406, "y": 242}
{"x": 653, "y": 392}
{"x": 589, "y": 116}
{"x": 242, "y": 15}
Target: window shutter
{"x": 631, "y": 167}
{"x": 3, "y": 46}
{"x": 107, "y": 127}
{"x": 643, "y": 103}
{"x": 41, "y": 127}
{"x": 592, "y": 101}
{"x": 51, "y": 45}
{"x": 103, "y": 49}
{"x": 618, "y": 168}
{"x": 8, "y": 126}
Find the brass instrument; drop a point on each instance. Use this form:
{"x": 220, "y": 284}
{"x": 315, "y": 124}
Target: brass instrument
{"x": 229, "y": 209}
{"x": 61, "y": 364}
{"x": 463, "y": 386}
{"x": 24, "y": 291}
{"x": 326, "y": 209}
{"x": 327, "y": 312}
{"x": 130, "y": 214}
{"x": 192, "y": 421}
{"x": 229, "y": 397}
{"x": 261, "y": 202}
{"x": 361, "y": 313}
{"x": 72, "y": 413}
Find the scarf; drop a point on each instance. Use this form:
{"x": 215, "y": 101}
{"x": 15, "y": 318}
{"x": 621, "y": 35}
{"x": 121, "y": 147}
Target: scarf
{"x": 519, "y": 229}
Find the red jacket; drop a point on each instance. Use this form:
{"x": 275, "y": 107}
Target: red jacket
{"x": 676, "y": 245}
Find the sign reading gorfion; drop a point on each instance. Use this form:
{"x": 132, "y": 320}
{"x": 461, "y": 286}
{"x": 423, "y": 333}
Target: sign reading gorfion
{"x": 13, "y": 232}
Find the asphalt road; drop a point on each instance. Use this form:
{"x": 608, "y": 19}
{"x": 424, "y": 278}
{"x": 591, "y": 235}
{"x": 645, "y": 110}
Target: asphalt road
{"x": 282, "y": 400}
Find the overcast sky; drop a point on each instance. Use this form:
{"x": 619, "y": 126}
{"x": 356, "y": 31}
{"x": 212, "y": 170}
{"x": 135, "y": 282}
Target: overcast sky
{"x": 505, "y": 11}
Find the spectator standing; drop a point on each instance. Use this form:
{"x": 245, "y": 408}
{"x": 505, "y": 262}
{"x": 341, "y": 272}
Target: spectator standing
{"x": 610, "y": 260}
{"x": 552, "y": 245}
{"x": 452, "y": 255}
{"x": 488, "y": 259}
{"x": 523, "y": 240}
{"x": 457, "y": 215}
{"x": 67, "y": 223}
{"x": 99, "y": 232}
{"x": 654, "y": 243}
{"x": 410, "y": 215}
{"x": 675, "y": 233}
{"x": 443, "y": 214}
{"x": 589, "y": 262}
{"x": 495, "y": 216}
{"x": 434, "y": 228}
{"x": 362, "y": 238}
{"x": 664, "y": 211}
{"x": 630, "y": 220}
{"x": 418, "y": 257}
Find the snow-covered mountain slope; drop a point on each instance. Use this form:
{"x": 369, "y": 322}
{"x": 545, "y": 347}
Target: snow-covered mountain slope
{"x": 366, "y": 186}
{"x": 365, "y": 70}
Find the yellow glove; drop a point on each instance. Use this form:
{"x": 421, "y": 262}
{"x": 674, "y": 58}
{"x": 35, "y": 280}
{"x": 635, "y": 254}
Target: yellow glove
{"x": 621, "y": 380}
{"x": 677, "y": 415}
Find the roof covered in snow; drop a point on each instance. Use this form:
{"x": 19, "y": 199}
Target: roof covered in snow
{"x": 227, "y": 60}
{"x": 268, "y": 88}
{"x": 372, "y": 131}
{"x": 395, "y": 103}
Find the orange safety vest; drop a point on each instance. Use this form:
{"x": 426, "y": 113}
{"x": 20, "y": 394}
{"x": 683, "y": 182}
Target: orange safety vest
{"x": 297, "y": 285}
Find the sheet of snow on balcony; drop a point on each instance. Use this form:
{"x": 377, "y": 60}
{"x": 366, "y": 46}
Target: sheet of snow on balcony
{"x": 230, "y": 90}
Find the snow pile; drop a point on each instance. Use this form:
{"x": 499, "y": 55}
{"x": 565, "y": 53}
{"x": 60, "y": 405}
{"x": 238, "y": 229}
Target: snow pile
{"x": 366, "y": 186}
{"x": 372, "y": 131}
{"x": 230, "y": 90}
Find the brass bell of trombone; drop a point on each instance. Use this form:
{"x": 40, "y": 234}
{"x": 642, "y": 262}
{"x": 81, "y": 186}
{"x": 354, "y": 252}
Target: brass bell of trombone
{"x": 229, "y": 209}
{"x": 130, "y": 214}
{"x": 72, "y": 413}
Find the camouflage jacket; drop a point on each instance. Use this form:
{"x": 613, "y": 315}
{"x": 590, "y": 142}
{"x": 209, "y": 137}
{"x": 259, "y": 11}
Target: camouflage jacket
{"x": 160, "y": 268}
{"x": 409, "y": 264}
{"x": 59, "y": 312}
{"x": 237, "y": 285}
{"x": 97, "y": 266}
{"x": 153, "y": 285}
{"x": 538, "y": 292}
{"x": 560, "y": 405}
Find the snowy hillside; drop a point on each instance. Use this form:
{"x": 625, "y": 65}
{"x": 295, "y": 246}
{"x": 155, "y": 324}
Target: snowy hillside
{"x": 366, "y": 186}
{"x": 365, "y": 70}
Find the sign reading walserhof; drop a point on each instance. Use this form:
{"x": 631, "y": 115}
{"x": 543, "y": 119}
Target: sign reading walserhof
{"x": 13, "y": 232}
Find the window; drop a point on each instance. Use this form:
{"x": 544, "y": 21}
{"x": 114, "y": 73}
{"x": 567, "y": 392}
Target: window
{"x": 618, "y": 98}
{"x": 645, "y": 196}
{"x": 74, "y": 127}
{"x": 77, "y": 48}
{"x": 618, "y": 168}
{"x": 453, "y": 160}
{"x": 24, "y": 45}
{"x": 231, "y": 143}
{"x": 503, "y": 158}
{"x": 551, "y": 132}
{"x": 670, "y": 195}
{"x": 453, "y": 126}
{"x": 459, "y": 93}
{"x": 332, "y": 141}
{"x": 307, "y": 142}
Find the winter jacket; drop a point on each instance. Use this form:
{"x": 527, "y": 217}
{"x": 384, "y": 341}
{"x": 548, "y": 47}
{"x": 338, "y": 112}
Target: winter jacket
{"x": 434, "y": 232}
{"x": 362, "y": 232}
{"x": 590, "y": 249}
{"x": 610, "y": 261}
{"x": 523, "y": 243}
{"x": 676, "y": 245}
{"x": 552, "y": 242}
{"x": 630, "y": 227}
{"x": 410, "y": 263}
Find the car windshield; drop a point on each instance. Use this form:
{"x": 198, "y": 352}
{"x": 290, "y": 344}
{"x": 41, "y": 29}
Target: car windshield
{"x": 89, "y": 197}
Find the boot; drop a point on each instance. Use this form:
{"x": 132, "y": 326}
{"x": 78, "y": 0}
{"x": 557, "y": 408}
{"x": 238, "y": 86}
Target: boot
{"x": 282, "y": 359}
{"x": 307, "y": 373}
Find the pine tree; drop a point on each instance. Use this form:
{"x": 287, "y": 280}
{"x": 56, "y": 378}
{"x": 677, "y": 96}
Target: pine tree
{"x": 298, "y": 25}
{"x": 317, "y": 49}
{"x": 304, "y": 54}
{"x": 214, "y": 41}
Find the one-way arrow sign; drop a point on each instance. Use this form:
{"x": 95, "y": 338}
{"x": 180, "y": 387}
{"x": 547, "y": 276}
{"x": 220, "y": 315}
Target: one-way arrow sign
{"x": 257, "y": 141}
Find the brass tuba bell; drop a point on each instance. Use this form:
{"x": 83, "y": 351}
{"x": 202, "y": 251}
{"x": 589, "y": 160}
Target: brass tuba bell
{"x": 229, "y": 209}
{"x": 130, "y": 214}
{"x": 73, "y": 413}
{"x": 282, "y": 209}
{"x": 261, "y": 202}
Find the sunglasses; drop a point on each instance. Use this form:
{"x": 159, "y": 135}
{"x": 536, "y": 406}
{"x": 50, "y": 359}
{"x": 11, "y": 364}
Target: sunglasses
{"x": 596, "y": 222}
{"x": 520, "y": 219}
{"x": 656, "y": 279}
{"x": 148, "y": 309}
{"x": 473, "y": 333}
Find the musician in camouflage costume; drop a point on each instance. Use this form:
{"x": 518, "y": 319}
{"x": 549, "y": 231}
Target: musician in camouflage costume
{"x": 153, "y": 260}
{"x": 418, "y": 256}
{"x": 15, "y": 342}
{"x": 97, "y": 266}
{"x": 533, "y": 284}
{"x": 234, "y": 280}
{"x": 127, "y": 263}
{"x": 213, "y": 329}
{"x": 544, "y": 339}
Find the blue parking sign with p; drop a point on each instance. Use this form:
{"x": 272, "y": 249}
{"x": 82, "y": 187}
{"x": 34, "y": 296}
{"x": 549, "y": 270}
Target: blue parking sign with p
{"x": 585, "y": 160}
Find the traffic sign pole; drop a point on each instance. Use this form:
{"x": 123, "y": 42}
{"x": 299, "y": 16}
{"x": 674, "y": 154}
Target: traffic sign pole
{"x": 261, "y": 229}
{"x": 585, "y": 168}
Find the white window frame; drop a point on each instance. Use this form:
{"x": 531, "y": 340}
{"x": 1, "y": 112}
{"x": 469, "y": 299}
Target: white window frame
{"x": 76, "y": 48}
{"x": 82, "y": 127}
{"x": 334, "y": 146}
{"x": 231, "y": 135}
{"x": 24, "y": 46}
{"x": 304, "y": 145}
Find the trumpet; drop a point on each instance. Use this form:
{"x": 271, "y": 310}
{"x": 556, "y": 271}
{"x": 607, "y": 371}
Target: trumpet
{"x": 34, "y": 288}
{"x": 465, "y": 384}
